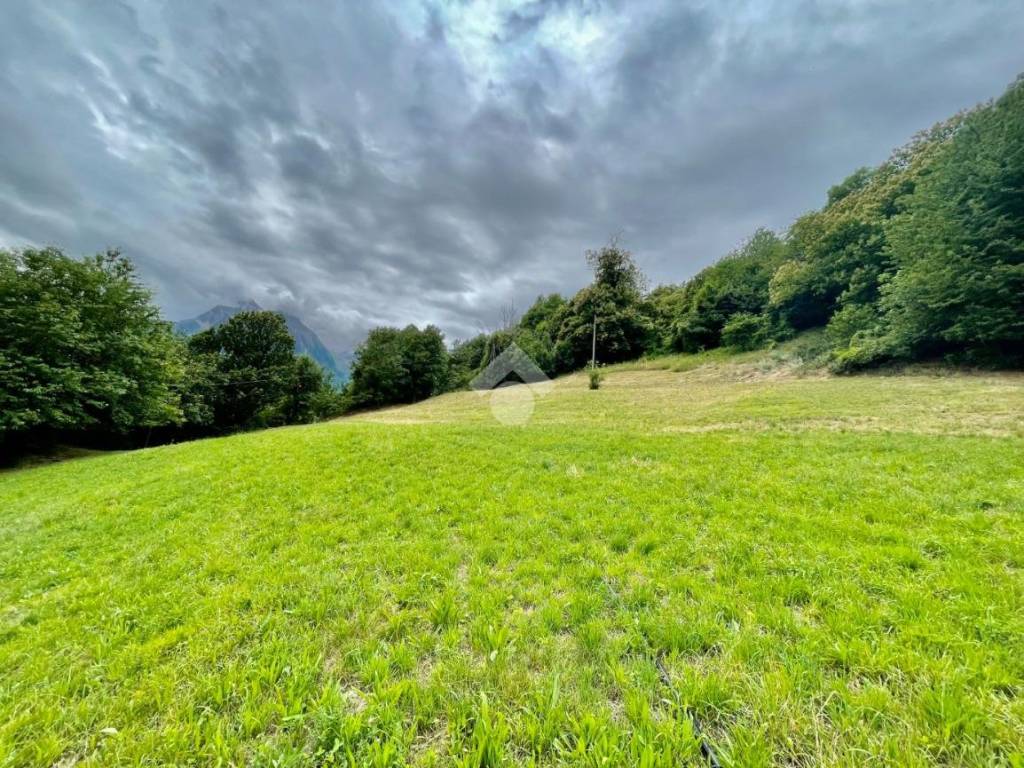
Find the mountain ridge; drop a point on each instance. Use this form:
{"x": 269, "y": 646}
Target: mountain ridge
{"x": 306, "y": 340}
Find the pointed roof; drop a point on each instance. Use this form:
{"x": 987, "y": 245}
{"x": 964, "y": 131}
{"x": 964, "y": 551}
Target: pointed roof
{"x": 512, "y": 360}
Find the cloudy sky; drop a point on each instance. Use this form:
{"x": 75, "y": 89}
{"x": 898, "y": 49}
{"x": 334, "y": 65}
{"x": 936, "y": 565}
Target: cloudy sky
{"x": 365, "y": 163}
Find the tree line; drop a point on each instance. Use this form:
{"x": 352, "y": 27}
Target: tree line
{"x": 921, "y": 258}
{"x": 85, "y": 357}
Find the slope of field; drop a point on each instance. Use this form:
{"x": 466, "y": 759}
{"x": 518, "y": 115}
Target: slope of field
{"x": 821, "y": 571}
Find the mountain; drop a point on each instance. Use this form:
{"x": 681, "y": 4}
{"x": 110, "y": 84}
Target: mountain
{"x": 306, "y": 340}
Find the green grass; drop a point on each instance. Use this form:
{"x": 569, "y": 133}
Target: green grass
{"x": 830, "y": 570}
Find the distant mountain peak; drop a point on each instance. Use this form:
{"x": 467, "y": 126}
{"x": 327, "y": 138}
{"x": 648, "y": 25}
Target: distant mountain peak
{"x": 306, "y": 340}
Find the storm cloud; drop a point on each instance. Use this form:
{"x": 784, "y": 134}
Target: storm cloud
{"x": 363, "y": 164}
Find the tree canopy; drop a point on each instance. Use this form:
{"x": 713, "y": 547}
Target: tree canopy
{"x": 399, "y": 366}
{"x": 85, "y": 353}
{"x": 82, "y": 347}
{"x": 614, "y": 302}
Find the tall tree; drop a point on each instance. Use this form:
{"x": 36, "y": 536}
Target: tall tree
{"x": 399, "y": 366}
{"x": 840, "y": 255}
{"x": 959, "y": 244}
{"x": 252, "y": 356}
{"x": 306, "y": 392}
{"x": 737, "y": 284}
{"x": 615, "y": 300}
{"x": 82, "y": 346}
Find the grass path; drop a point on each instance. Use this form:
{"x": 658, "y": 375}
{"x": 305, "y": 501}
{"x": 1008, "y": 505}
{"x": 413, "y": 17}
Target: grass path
{"x": 831, "y": 570}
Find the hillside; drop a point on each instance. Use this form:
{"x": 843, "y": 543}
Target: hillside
{"x": 820, "y": 570}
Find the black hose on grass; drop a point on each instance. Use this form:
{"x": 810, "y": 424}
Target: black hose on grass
{"x": 705, "y": 747}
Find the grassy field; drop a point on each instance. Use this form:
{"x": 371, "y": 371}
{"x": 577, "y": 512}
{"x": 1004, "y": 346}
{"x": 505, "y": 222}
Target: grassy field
{"x": 820, "y": 571}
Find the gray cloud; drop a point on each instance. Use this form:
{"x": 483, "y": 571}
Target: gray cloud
{"x": 425, "y": 162}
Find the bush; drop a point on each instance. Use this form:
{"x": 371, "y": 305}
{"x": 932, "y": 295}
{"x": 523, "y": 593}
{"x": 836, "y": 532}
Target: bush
{"x": 596, "y": 377}
{"x": 859, "y": 355}
{"x": 746, "y": 331}
{"x": 850, "y": 321}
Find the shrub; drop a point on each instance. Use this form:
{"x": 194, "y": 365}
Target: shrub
{"x": 596, "y": 378}
{"x": 860, "y": 354}
{"x": 746, "y": 331}
{"x": 851, "y": 320}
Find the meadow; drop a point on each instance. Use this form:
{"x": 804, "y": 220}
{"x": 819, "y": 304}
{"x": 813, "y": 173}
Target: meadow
{"x": 812, "y": 570}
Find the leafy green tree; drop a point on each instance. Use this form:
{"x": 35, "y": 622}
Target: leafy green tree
{"x": 253, "y": 359}
{"x": 746, "y": 331}
{"x": 665, "y": 304}
{"x": 466, "y": 359}
{"x": 200, "y": 389}
{"x": 616, "y": 272}
{"x": 544, "y": 315}
{"x": 737, "y": 284}
{"x": 307, "y": 393}
{"x": 82, "y": 347}
{"x": 615, "y": 300}
{"x": 425, "y": 360}
{"x": 399, "y": 366}
{"x": 855, "y": 182}
{"x": 539, "y": 347}
{"x": 255, "y": 341}
{"x": 538, "y": 328}
{"x": 958, "y": 245}
{"x": 840, "y": 255}
{"x": 623, "y": 329}
{"x": 327, "y": 403}
{"x": 379, "y": 375}
{"x": 851, "y": 321}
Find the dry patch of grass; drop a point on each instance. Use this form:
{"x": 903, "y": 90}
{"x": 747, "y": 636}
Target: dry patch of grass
{"x": 756, "y": 394}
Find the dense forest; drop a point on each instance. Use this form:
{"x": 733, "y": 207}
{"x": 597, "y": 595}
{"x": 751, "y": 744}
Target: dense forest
{"x": 921, "y": 258}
